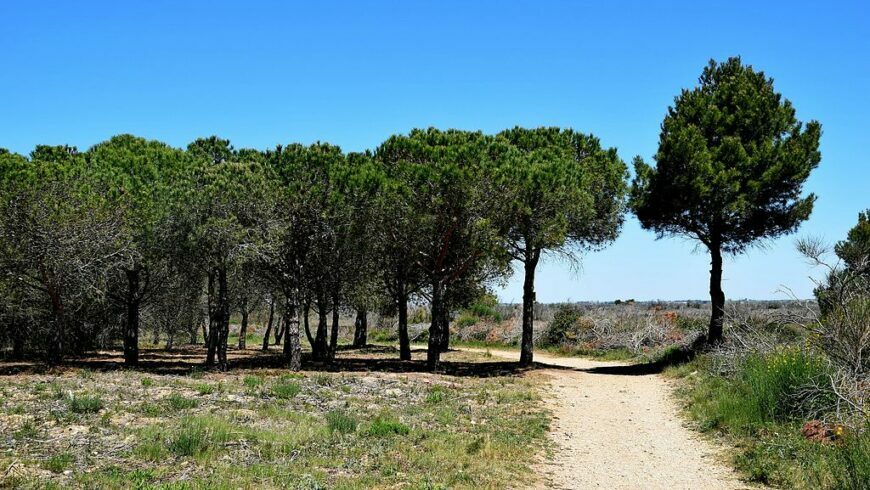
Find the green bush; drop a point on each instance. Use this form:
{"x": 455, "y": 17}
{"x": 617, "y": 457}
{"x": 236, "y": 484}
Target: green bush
{"x": 563, "y": 327}
{"x": 466, "y": 320}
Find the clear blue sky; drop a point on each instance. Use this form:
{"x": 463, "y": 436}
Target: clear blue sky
{"x": 352, "y": 73}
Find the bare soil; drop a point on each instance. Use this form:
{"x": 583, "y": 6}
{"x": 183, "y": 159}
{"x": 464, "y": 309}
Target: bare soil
{"x": 614, "y": 427}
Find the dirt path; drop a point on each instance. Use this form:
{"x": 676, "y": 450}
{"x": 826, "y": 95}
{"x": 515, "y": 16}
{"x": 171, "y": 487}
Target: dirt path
{"x": 622, "y": 431}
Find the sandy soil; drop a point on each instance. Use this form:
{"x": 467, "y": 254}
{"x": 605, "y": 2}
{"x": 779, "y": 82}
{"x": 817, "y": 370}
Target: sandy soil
{"x": 622, "y": 431}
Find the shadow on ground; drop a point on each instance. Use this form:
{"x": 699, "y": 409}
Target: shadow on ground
{"x": 188, "y": 359}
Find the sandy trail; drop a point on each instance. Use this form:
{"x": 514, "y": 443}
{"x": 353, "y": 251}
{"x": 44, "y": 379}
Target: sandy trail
{"x": 622, "y": 431}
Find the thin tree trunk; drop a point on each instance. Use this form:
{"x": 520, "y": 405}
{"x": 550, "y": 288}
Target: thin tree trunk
{"x": 269, "y": 325}
{"x": 404, "y": 341}
{"x": 717, "y": 296}
{"x": 279, "y": 332}
{"x": 444, "y": 319}
{"x": 17, "y": 345}
{"x": 333, "y": 336}
{"x": 131, "y": 330}
{"x": 320, "y": 342}
{"x": 243, "y": 330}
{"x": 530, "y": 263}
{"x": 211, "y": 340}
{"x": 433, "y": 353}
{"x": 224, "y": 315}
{"x": 360, "y": 328}
{"x": 306, "y": 312}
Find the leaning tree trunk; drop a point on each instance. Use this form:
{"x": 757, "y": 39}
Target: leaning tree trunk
{"x": 360, "y": 328}
{"x": 717, "y": 297}
{"x": 269, "y": 325}
{"x": 131, "y": 330}
{"x": 526, "y": 346}
{"x": 404, "y": 340}
{"x": 306, "y": 312}
{"x": 292, "y": 349}
{"x": 433, "y": 352}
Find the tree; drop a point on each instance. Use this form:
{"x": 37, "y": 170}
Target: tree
{"x": 730, "y": 168}
{"x": 227, "y": 199}
{"x": 139, "y": 174}
{"x": 855, "y": 249}
{"x": 59, "y": 241}
{"x": 563, "y": 194}
{"x": 445, "y": 174}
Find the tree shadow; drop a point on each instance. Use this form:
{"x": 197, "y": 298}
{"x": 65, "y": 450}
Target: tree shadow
{"x": 186, "y": 360}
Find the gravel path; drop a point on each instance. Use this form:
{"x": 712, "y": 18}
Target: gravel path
{"x": 617, "y": 430}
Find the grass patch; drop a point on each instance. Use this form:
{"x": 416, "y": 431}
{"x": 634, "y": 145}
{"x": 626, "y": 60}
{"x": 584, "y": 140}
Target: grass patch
{"x": 58, "y": 462}
{"x": 286, "y": 389}
{"x": 382, "y": 427}
{"x": 179, "y": 402}
{"x": 83, "y": 404}
{"x": 341, "y": 422}
{"x": 761, "y": 408}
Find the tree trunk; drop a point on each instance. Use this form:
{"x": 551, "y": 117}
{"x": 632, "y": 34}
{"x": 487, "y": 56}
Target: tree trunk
{"x": 717, "y": 296}
{"x": 243, "y": 330}
{"x": 433, "y": 353}
{"x": 279, "y": 331}
{"x": 269, "y": 325}
{"x": 17, "y": 345}
{"x": 320, "y": 347}
{"x": 131, "y": 330}
{"x": 306, "y": 312}
{"x": 360, "y": 328}
{"x": 444, "y": 319}
{"x": 211, "y": 340}
{"x": 223, "y": 324}
{"x": 530, "y": 263}
{"x": 404, "y": 341}
{"x": 292, "y": 349}
{"x": 333, "y": 336}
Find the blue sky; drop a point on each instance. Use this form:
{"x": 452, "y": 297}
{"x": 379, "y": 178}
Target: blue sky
{"x": 352, "y": 73}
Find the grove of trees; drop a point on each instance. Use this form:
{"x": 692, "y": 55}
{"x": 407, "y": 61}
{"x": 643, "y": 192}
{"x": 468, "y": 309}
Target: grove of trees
{"x": 133, "y": 235}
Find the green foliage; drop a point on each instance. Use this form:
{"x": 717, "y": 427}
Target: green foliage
{"x": 386, "y": 426}
{"x": 341, "y": 422}
{"x": 284, "y": 389}
{"x": 854, "y": 251}
{"x": 762, "y": 408}
{"x": 731, "y": 163}
{"x": 84, "y": 403}
{"x": 179, "y": 402}
{"x": 563, "y": 328}
{"x": 198, "y": 435}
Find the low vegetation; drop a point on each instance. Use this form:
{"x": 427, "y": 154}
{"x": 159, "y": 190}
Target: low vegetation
{"x": 329, "y": 430}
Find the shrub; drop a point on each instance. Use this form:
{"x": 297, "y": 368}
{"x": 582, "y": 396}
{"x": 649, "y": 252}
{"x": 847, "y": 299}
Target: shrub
{"x": 341, "y": 422}
{"x": 253, "y": 381}
{"x": 466, "y": 320}
{"x": 84, "y": 404}
{"x": 563, "y": 327}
